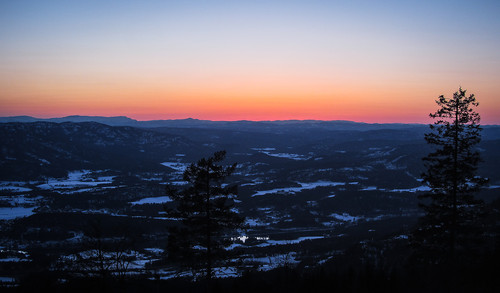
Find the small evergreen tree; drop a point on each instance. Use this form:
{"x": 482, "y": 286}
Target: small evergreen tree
{"x": 451, "y": 211}
{"x": 206, "y": 213}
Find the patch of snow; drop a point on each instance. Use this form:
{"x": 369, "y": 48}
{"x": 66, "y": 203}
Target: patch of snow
{"x": 14, "y": 183}
{"x": 15, "y": 188}
{"x": 75, "y": 179}
{"x": 233, "y": 246}
{"x": 243, "y": 238}
{"x": 152, "y": 179}
{"x": 274, "y": 261}
{"x": 13, "y": 259}
{"x": 152, "y": 200}
{"x": 270, "y": 152}
{"x": 85, "y": 189}
{"x": 330, "y": 224}
{"x": 22, "y": 200}
{"x": 397, "y": 159}
{"x": 377, "y": 218}
{"x": 106, "y": 178}
{"x": 178, "y": 183}
{"x": 7, "y": 280}
{"x": 345, "y": 217}
{"x": 77, "y": 237}
{"x": 154, "y": 250}
{"x": 225, "y": 272}
{"x": 177, "y": 166}
{"x": 252, "y": 222}
{"x": 415, "y": 189}
{"x": 252, "y": 183}
{"x": 15, "y": 212}
{"x": 292, "y": 241}
{"x": 296, "y": 157}
{"x": 391, "y": 166}
{"x": 379, "y": 153}
{"x": 44, "y": 161}
{"x": 265, "y": 209}
{"x": 359, "y": 169}
{"x": 263, "y": 149}
{"x": 323, "y": 261}
{"x": 303, "y": 186}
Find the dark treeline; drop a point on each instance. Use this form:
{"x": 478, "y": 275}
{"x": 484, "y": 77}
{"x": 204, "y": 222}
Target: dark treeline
{"x": 346, "y": 274}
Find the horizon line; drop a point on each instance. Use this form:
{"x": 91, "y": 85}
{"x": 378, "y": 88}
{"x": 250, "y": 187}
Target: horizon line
{"x": 209, "y": 120}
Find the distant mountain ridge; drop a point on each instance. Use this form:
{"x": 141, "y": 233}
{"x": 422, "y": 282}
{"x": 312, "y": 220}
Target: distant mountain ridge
{"x": 196, "y": 123}
{"x": 111, "y": 121}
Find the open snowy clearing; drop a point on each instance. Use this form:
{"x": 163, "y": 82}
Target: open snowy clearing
{"x": 152, "y": 200}
{"x": 15, "y": 212}
{"x": 76, "y": 179}
{"x": 303, "y": 186}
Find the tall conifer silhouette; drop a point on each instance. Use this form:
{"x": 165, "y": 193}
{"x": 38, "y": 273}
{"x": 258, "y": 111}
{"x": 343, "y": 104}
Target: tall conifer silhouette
{"x": 451, "y": 211}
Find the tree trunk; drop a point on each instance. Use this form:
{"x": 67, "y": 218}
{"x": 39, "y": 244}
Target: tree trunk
{"x": 454, "y": 225}
{"x": 209, "y": 230}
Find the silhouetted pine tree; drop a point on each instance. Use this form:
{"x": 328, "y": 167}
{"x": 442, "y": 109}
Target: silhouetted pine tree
{"x": 450, "y": 224}
{"x": 206, "y": 211}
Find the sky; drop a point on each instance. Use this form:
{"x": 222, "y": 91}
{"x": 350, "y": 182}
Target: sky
{"x": 366, "y": 61}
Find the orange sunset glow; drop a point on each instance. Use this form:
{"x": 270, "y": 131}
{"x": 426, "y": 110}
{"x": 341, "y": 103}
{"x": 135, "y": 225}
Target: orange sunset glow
{"x": 258, "y": 61}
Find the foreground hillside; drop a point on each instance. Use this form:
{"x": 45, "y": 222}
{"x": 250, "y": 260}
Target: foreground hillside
{"x": 310, "y": 192}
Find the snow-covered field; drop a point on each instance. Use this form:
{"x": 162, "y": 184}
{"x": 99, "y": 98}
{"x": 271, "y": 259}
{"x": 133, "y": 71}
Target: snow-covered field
{"x": 345, "y": 217}
{"x": 12, "y": 188}
{"x": 177, "y": 166}
{"x": 414, "y": 189}
{"x": 303, "y": 186}
{"x": 9, "y": 213}
{"x": 255, "y": 222}
{"x": 22, "y": 200}
{"x": 291, "y": 241}
{"x": 76, "y": 179}
{"x": 420, "y": 188}
{"x": 152, "y": 200}
{"x": 272, "y": 153}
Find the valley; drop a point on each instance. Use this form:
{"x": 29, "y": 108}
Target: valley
{"x": 309, "y": 191}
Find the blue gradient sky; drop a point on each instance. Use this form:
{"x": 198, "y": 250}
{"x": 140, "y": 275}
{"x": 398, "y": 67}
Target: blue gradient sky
{"x": 372, "y": 61}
